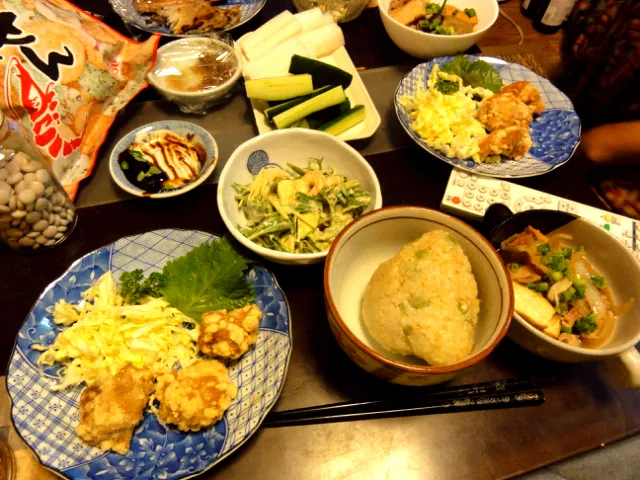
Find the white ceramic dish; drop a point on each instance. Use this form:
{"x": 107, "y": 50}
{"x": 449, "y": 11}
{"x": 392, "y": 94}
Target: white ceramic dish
{"x": 622, "y": 271}
{"x": 357, "y": 94}
{"x": 200, "y": 135}
{"x": 427, "y": 45}
{"x": 277, "y": 148}
{"x": 193, "y": 102}
{"x": 378, "y": 236}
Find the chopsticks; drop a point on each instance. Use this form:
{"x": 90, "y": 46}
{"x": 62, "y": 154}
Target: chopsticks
{"x": 509, "y": 393}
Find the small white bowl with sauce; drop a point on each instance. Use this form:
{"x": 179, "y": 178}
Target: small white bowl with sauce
{"x": 184, "y": 176}
{"x": 196, "y": 73}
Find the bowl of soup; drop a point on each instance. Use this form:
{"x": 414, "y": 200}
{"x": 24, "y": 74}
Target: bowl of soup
{"x": 576, "y": 289}
{"x": 429, "y": 29}
{"x": 196, "y": 73}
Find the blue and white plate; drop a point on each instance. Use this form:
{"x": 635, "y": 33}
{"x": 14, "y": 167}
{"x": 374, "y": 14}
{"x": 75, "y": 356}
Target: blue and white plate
{"x": 46, "y": 420}
{"x": 555, "y": 133}
{"x": 128, "y": 12}
{"x": 184, "y": 129}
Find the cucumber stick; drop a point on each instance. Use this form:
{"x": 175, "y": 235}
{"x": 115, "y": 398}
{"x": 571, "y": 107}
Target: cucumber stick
{"x": 279, "y": 88}
{"x": 281, "y": 107}
{"x": 322, "y": 73}
{"x": 315, "y": 104}
{"x": 345, "y": 121}
{"x": 323, "y": 116}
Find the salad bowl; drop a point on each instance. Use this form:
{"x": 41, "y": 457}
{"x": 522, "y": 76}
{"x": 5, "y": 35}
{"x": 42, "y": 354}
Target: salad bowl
{"x": 274, "y": 150}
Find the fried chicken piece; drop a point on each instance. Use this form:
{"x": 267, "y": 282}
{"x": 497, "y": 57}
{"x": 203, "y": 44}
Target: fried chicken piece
{"x": 503, "y": 110}
{"x": 195, "y": 397}
{"x": 229, "y": 334}
{"x": 512, "y": 142}
{"x": 528, "y": 94}
{"x": 192, "y": 16}
{"x": 150, "y": 6}
{"x": 110, "y": 409}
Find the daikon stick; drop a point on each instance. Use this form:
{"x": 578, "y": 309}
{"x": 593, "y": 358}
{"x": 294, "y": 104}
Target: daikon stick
{"x": 323, "y": 41}
{"x": 271, "y": 28}
{"x": 276, "y": 62}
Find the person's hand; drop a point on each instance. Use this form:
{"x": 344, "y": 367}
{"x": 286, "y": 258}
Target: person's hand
{"x": 613, "y": 143}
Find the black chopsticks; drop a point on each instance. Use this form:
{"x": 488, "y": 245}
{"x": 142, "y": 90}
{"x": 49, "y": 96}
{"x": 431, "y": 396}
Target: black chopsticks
{"x": 509, "y": 393}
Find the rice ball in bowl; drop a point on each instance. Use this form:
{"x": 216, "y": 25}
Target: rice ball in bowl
{"x": 419, "y": 355}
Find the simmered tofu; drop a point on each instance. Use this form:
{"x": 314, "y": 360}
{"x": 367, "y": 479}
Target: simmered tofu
{"x": 553, "y": 330}
{"x": 409, "y": 13}
{"x": 533, "y": 306}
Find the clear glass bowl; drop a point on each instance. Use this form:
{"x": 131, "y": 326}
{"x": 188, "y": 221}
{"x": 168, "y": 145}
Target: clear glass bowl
{"x": 342, "y": 10}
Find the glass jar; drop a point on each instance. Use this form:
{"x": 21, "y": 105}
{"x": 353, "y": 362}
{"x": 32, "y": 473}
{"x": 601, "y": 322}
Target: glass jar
{"x": 342, "y": 10}
{"x": 35, "y": 211}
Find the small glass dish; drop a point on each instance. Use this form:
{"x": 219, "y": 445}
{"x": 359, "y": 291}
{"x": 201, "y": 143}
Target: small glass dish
{"x": 342, "y": 10}
{"x": 196, "y": 73}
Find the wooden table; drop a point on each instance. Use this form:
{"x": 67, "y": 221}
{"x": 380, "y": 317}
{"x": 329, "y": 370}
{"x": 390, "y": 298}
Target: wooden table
{"x": 583, "y": 410}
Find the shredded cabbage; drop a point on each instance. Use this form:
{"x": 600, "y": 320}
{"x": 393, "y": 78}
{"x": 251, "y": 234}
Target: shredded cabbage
{"x": 104, "y": 335}
{"x": 447, "y": 122}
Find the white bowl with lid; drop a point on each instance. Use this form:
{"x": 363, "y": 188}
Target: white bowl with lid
{"x": 173, "y": 77}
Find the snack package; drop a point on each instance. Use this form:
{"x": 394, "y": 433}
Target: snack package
{"x": 64, "y": 76}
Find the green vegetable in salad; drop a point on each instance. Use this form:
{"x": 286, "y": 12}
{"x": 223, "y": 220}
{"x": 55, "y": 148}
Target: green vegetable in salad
{"x": 586, "y": 324}
{"x": 133, "y": 287}
{"x": 470, "y": 12}
{"x": 210, "y": 277}
{"x": 447, "y": 86}
{"x": 474, "y": 74}
{"x": 299, "y": 210}
{"x": 599, "y": 281}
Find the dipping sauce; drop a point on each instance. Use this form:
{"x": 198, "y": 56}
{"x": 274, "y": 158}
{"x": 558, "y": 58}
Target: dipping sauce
{"x": 195, "y": 70}
{"x": 162, "y": 160}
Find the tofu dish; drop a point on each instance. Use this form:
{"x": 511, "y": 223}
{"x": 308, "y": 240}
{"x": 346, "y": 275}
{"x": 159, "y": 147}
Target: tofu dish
{"x": 558, "y": 291}
{"x": 439, "y": 19}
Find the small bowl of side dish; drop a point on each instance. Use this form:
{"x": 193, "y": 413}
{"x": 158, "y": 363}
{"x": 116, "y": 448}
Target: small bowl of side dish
{"x": 196, "y": 73}
{"x": 585, "y": 307}
{"x": 420, "y": 44}
{"x": 262, "y": 194}
{"x": 352, "y": 278}
{"x": 163, "y": 159}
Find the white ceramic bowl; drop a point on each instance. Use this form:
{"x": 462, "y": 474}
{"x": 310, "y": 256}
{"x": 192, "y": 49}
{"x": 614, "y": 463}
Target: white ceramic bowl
{"x": 185, "y": 129}
{"x": 622, "y": 271}
{"x": 279, "y": 147}
{"x": 427, "y": 45}
{"x": 193, "y": 102}
{"x": 378, "y": 236}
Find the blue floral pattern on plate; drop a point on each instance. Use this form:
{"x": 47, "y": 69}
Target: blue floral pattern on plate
{"x": 555, "y": 133}
{"x": 126, "y": 9}
{"x": 46, "y": 420}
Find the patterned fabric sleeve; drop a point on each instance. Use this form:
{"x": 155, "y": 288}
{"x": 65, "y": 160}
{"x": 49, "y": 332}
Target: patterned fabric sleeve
{"x": 601, "y": 57}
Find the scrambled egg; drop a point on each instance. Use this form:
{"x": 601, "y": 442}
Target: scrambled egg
{"x": 448, "y": 123}
{"x": 104, "y": 335}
